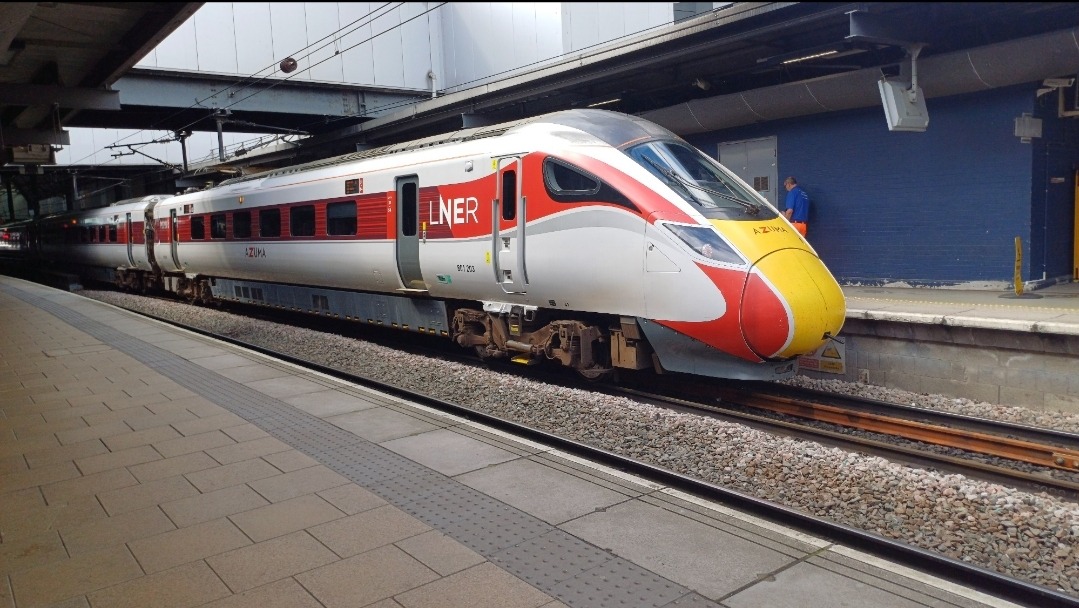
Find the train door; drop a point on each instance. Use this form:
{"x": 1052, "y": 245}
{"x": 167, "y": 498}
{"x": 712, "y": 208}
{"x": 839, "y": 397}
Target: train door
{"x": 128, "y": 240}
{"x": 408, "y": 241}
{"x": 149, "y": 236}
{"x": 174, "y": 239}
{"x": 508, "y": 227}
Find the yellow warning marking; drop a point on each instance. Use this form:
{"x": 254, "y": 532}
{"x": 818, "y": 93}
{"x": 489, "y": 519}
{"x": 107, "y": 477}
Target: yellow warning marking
{"x": 831, "y": 353}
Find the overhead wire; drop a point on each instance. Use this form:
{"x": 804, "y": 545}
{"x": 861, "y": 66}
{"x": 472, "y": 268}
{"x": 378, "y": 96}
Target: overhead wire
{"x": 280, "y": 81}
{"x": 512, "y": 72}
{"x": 369, "y": 17}
{"x": 400, "y": 103}
{"x": 277, "y": 82}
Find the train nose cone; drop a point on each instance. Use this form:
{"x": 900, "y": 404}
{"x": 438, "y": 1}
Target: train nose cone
{"x": 790, "y": 303}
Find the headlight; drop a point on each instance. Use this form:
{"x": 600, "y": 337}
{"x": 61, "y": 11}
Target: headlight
{"x": 706, "y": 242}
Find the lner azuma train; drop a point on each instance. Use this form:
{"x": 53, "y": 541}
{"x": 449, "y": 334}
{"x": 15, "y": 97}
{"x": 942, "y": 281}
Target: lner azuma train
{"x": 591, "y": 238}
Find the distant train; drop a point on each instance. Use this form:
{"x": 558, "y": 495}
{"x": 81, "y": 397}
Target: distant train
{"x": 591, "y": 238}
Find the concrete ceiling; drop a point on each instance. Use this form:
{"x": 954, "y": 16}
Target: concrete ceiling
{"x": 57, "y": 58}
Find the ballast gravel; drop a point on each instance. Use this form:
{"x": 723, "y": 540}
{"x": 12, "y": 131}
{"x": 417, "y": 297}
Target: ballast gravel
{"x": 1034, "y": 537}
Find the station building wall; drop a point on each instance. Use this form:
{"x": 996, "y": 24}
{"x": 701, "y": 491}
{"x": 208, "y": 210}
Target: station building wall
{"x": 396, "y": 46}
{"x": 1053, "y": 193}
{"x": 940, "y": 208}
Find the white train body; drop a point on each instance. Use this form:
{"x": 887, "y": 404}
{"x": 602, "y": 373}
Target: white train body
{"x": 589, "y": 237}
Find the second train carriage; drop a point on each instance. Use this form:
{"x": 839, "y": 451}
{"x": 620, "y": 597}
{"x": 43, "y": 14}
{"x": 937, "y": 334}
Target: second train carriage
{"x": 589, "y": 237}
{"x": 110, "y": 244}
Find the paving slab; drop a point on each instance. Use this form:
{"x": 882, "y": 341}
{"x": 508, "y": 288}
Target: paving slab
{"x": 704, "y": 558}
{"x": 103, "y": 533}
{"x": 281, "y": 518}
{"x": 330, "y": 403}
{"x": 381, "y": 424}
{"x": 369, "y": 530}
{"x": 188, "y": 585}
{"x": 189, "y": 544}
{"x": 213, "y": 505}
{"x": 549, "y": 494}
{"x": 272, "y": 560}
{"x": 448, "y": 452}
{"x": 389, "y": 571}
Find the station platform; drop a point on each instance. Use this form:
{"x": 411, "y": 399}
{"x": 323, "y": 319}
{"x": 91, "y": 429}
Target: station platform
{"x": 143, "y": 465}
{"x": 985, "y": 346}
{"x": 1051, "y": 310}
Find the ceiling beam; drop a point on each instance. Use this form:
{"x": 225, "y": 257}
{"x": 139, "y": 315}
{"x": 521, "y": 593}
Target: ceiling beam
{"x": 65, "y": 97}
{"x": 22, "y": 137}
{"x": 13, "y": 15}
{"x": 153, "y": 27}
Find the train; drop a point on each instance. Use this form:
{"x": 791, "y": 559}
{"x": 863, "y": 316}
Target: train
{"x": 592, "y": 239}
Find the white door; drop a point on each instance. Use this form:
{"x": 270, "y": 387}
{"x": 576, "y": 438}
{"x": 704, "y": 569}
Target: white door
{"x": 753, "y": 160}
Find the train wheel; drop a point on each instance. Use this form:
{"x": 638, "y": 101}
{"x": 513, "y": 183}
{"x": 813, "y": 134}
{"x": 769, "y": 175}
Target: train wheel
{"x": 597, "y": 374}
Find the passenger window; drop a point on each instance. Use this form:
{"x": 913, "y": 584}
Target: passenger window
{"x": 241, "y": 224}
{"x": 198, "y": 228}
{"x": 101, "y": 234}
{"x": 217, "y": 226}
{"x": 341, "y": 218}
{"x": 509, "y": 195}
{"x": 270, "y": 223}
{"x": 302, "y": 220}
{"x": 112, "y": 233}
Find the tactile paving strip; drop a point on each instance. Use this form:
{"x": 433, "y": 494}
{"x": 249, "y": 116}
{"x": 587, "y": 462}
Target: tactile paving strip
{"x": 617, "y": 583}
{"x": 547, "y": 560}
{"x": 555, "y": 562}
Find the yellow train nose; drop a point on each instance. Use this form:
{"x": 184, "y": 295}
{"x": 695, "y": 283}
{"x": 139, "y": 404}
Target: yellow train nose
{"x": 790, "y": 305}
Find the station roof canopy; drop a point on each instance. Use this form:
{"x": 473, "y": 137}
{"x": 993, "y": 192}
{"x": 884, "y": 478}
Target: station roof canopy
{"x": 60, "y": 56}
{"x": 746, "y": 47}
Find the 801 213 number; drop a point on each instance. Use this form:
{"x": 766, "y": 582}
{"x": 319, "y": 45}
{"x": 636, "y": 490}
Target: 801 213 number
{"x": 466, "y": 268}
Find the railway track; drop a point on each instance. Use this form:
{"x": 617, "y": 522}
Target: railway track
{"x": 1038, "y": 446}
{"x": 1002, "y": 585}
{"x": 1028, "y": 458}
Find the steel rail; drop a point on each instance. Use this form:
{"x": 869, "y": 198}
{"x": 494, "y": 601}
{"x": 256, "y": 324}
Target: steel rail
{"x": 967, "y": 575}
{"x": 1026, "y": 432}
{"x": 993, "y": 445}
{"x": 1032, "y": 482}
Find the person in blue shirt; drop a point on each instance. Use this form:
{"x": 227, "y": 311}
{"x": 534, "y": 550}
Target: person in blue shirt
{"x": 797, "y": 204}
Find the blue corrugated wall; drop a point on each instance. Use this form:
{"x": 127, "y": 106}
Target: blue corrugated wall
{"x": 941, "y": 207}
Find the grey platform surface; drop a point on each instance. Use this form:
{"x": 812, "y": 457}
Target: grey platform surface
{"x": 141, "y": 465}
{"x": 1052, "y": 310}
